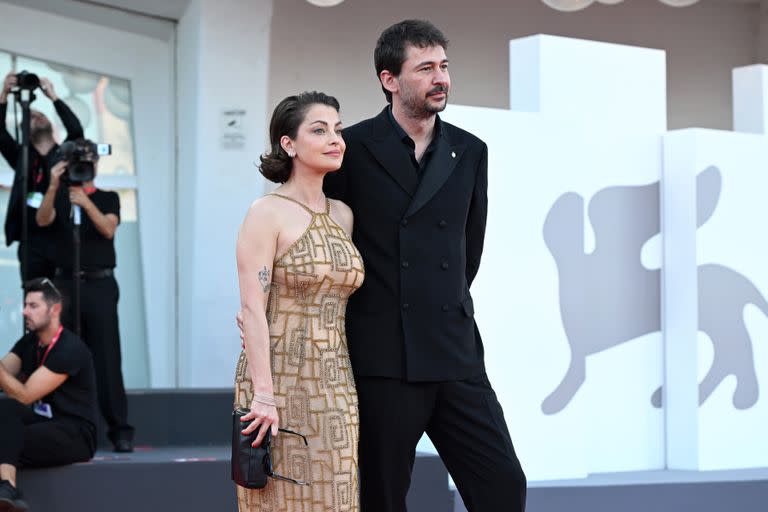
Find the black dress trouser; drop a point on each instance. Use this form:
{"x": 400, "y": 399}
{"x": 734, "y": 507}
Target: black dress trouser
{"x": 465, "y": 423}
{"x": 41, "y": 258}
{"x": 100, "y": 331}
{"x": 29, "y": 440}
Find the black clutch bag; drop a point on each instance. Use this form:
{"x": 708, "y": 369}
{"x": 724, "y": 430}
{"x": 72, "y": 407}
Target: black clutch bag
{"x": 251, "y": 467}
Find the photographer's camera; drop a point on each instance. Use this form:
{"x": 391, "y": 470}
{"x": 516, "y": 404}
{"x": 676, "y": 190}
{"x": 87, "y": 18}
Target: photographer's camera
{"x": 27, "y": 80}
{"x": 81, "y": 155}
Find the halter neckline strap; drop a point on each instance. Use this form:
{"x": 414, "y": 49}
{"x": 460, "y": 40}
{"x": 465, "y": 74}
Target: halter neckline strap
{"x": 310, "y": 210}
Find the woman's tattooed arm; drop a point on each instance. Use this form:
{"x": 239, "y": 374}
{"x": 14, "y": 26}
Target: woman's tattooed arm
{"x": 264, "y": 279}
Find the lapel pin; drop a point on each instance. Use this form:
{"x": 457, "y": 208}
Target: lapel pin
{"x": 453, "y": 154}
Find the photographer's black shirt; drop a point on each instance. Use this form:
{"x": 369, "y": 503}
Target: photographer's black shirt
{"x": 96, "y": 251}
{"x": 39, "y": 174}
{"x": 76, "y": 397}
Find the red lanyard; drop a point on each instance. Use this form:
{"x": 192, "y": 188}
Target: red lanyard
{"x": 50, "y": 346}
{"x": 38, "y": 176}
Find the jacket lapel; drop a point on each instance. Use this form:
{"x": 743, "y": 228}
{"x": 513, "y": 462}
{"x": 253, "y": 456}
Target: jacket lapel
{"x": 439, "y": 169}
{"x": 386, "y": 148}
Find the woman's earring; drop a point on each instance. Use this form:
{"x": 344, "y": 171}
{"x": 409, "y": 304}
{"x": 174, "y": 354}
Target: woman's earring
{"x": 291, "y": 154}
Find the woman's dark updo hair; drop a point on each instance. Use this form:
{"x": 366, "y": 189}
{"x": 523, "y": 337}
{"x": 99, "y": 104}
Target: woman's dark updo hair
{"x": 288, "y": 115}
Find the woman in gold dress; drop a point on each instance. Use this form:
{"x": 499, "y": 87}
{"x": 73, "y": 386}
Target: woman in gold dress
{"x": 297, "y": 267}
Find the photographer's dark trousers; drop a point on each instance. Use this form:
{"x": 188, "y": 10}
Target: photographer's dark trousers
{"x": 99, "y": 330}
{"x": 465, "y": 423}
{"x": 29, "y": 440}
{"x": 41, "y": 257}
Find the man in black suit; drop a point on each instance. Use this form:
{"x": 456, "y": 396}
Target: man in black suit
{"x": 417, "y": 186}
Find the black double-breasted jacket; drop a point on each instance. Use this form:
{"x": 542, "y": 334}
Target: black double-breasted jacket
{"x": 421, "y": 242}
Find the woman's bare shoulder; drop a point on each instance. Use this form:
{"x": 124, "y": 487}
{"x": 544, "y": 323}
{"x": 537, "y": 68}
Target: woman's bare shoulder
{"x": 268, "y": 206}
{"x": 264, "y": 212}
{"x": 342, "y": 214}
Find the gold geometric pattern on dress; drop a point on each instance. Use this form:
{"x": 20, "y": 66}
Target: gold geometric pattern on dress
{"x": 300, "y": 282}
{"x": 298, "y": 457}
{"x": 340, "y": 254}
{"x": 335, "y": 434}
{"x": 311, "y": 374}
{"x": 297, "y": 409}
{"x": 297, "y": 349}
{"x": 332, "y": 367}
{"x": 344, "y": 492}
{"x": 329, "y": 311}
{"x": 273, "y": 303}
{"x": 302, "y": 248}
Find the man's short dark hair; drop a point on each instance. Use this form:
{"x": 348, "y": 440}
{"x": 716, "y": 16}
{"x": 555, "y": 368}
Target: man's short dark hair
{"x": 51, "y": 294}
{"x": 391, "y": 46}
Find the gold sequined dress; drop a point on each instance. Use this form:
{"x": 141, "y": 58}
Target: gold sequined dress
{"x": 311, "y": 374}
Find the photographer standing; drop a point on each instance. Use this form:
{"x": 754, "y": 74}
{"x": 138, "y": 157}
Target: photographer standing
{"x": 98, "y": 288}
{"x": 42, "y": 148}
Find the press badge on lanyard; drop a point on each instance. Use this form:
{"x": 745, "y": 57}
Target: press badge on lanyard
{"x": 34, "y": 199}
{"x": 41, "y": 408}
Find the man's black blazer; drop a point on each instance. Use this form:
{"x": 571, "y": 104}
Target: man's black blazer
{"x": 421, "y": 242}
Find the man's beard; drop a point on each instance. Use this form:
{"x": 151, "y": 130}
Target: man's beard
{"x": 37, "y": 328}
{"x": 434, "y": 109}
{"x": 39, "y": 134}
{"x": 417, "y": 108}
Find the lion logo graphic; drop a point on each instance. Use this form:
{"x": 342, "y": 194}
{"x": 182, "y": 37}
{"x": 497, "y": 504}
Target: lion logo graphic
{"x": 607, "y": 297}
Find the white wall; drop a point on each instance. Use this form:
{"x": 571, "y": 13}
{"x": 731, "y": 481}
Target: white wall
{"x": 331, "y": 49}
{"x": 222, "y": 65}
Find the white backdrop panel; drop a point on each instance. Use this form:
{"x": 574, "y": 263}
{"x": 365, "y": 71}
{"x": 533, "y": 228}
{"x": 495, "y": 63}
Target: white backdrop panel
{"x": 731, "y": 251}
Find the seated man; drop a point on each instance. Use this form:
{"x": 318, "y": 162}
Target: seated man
{"x": 49, "y": 375}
